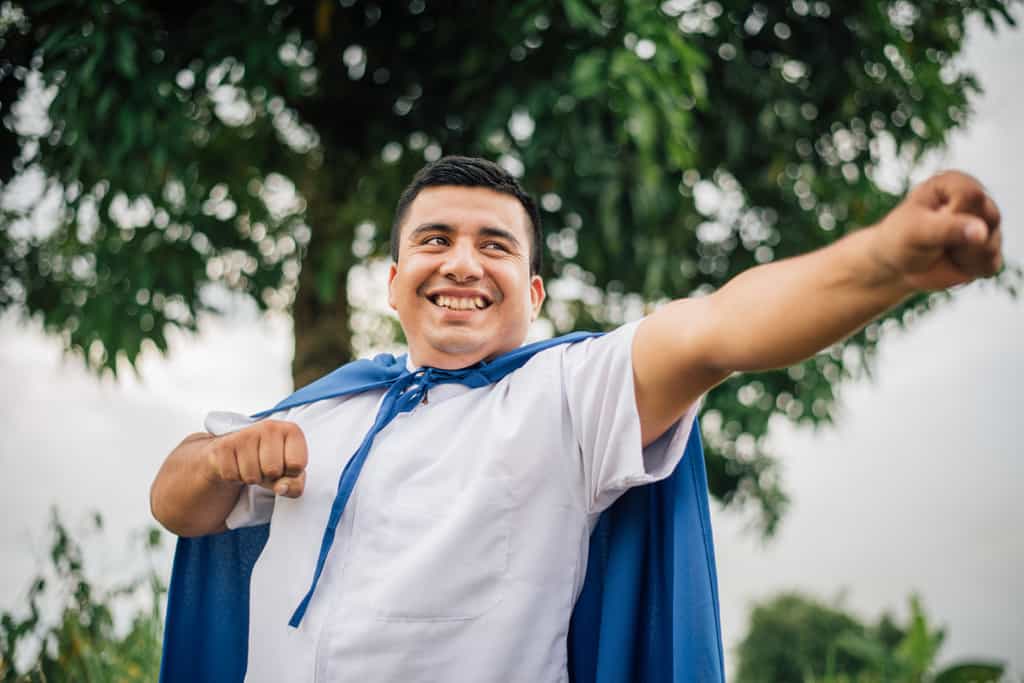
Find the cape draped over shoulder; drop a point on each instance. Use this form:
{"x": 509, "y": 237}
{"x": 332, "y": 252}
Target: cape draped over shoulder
{"x": 648, "y": 610}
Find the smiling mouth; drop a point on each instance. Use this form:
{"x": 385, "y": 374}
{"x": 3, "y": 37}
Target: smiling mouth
{"x": 459, "y": 303}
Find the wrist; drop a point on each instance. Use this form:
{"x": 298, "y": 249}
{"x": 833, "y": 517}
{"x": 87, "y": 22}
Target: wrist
{"x": 881, "y": 270}
{"x": 205, "y": 462}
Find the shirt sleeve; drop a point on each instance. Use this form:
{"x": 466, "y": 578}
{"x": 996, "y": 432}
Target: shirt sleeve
{"x": 255, "y": 503}
{"x": 598, "y": 385}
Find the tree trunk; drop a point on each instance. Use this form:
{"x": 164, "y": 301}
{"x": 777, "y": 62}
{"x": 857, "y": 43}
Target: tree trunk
{"x": 322, "y": 335}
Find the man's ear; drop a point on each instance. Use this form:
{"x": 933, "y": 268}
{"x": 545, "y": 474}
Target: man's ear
{"x": 392, "y": 272}
{"x": 537, "y": 295}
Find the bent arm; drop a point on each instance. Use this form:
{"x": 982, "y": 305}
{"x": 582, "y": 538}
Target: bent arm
{"x": 199, "y": 483}
{"x": 186, "y": 497}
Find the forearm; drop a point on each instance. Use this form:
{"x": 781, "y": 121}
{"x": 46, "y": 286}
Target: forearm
{"x": 185, "y": 496}
{"x": 780, "y": 313}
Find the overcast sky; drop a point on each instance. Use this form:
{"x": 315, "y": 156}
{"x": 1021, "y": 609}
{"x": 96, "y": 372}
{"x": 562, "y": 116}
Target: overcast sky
{"x": 918, "y": 488}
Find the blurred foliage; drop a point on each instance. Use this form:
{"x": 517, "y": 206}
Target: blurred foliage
{"x": 794, "y": 637}
{"x": 185, "y": 149}
{"x": 83, "y": 644}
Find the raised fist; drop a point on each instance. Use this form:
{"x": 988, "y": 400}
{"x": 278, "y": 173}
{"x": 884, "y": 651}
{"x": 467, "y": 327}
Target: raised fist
{"x": 944, "y": 233}
{"x": 269, "y": 453}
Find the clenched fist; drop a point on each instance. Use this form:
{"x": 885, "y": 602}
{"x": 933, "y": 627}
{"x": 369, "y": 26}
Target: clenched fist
{"x": 270, "y": 453}
{"x": 944, "y": 233}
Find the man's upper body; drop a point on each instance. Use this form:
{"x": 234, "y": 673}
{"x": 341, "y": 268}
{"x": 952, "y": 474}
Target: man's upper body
{"x": 463, "y": 548}
{"x": 466, "y": 287}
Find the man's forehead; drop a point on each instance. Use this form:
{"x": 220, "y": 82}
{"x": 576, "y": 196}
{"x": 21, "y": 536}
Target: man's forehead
{"x": 467, "y": 207}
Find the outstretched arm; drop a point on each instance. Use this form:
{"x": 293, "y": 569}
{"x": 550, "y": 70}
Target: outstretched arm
{"x": 944, "y": 233}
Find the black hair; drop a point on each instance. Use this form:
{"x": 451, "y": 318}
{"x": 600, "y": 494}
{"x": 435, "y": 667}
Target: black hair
{"x": 469, "y": 172}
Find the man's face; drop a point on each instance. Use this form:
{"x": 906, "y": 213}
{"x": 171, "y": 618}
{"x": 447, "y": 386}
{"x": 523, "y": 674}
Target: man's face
{"x": 462, "y": 285}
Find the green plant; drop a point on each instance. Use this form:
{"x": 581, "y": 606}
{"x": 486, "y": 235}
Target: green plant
{"x": 84, "y": 644}
{"x": 794, "y": 637}
{"x": 911, "y": 659}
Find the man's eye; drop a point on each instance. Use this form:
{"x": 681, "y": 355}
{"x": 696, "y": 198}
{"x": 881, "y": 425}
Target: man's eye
{"x": 495, "y": 245}
{"x": 436, "y": 241}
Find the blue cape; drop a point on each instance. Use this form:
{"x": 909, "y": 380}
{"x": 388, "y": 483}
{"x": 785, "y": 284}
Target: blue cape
{"x": 648, "y": 610}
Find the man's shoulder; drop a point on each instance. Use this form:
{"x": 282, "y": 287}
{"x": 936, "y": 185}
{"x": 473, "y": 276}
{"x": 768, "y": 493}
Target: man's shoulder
{"x": 563, "y": 357}
{"x": 596, "y": 346}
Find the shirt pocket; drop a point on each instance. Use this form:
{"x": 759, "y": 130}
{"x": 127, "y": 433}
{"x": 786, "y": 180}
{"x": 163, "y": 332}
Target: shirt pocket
{"x": 433, "y": 555}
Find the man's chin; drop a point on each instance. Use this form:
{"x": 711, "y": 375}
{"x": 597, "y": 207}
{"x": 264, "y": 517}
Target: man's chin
{"x": 455, "y": 351}
{"x": 459, "y": 347}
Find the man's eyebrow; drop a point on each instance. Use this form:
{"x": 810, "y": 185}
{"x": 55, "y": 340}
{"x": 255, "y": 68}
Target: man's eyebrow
{"x": 486, "y": 231}
{"x": 430, "y": 227}
{"x": 500, "y": 233}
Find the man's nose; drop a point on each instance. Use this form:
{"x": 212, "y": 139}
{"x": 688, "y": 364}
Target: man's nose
{"x": 462, "y": 263}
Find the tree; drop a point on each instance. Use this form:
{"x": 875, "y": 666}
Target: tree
{"x": 258, "y": 146}
{"x": 793, "y": 637}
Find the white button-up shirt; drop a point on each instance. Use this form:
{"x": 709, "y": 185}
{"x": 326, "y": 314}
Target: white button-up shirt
{"x": 463, "y": 548}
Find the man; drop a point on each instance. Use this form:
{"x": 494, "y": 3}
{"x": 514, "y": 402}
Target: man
{"x": 460, "y": 554}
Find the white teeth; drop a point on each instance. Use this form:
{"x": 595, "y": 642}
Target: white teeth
{"x": 459, "y": 303}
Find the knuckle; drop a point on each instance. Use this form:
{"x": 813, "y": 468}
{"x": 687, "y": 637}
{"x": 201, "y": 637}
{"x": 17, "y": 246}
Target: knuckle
{"x": 241, "y": 441}
{"x": 959, "y": 184}
{"x": 265, "y": 430}
{"x": 282, "y": 431}
{"x": 277, "y": 426}
{"x": 297, "y": 439}
{"x": 269, "y": 426}
{"x": 296, "y": 456}
{"x": 293, "y": 431}
{"x": 243, "y": 435}
{"x": 974, "y": 194}
{"x": 994, "y": 213}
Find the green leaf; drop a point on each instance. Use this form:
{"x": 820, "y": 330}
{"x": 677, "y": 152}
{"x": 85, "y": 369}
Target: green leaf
{"x": 971, "y": 672}
{"x": 126, "y": 55}
{"x": 582, "y": 16}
